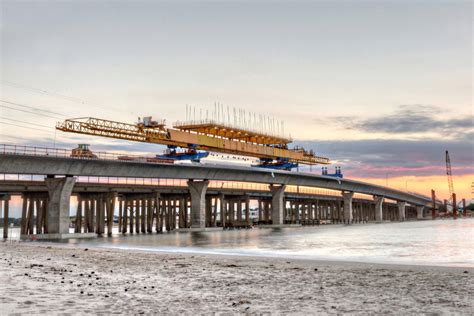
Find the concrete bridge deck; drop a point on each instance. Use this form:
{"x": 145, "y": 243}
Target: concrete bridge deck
{"x": 59, "y": 166}
{"x": 196, "y": 205}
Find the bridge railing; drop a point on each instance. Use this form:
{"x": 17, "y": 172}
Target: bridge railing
{"x": 9, "y": 149}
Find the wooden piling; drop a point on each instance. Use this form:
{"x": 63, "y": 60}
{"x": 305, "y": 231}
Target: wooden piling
{"x": 455, "y": 207}
{"x": 120, "y": 214}
{"x": 78, "y": 223}
{"x": 142, "y": 215}
{"x": 131, "y": 214}
{"x": 126, "y": 205}
{"x": 149, "y": 215}
{"x": 110, "y": 212}
{"x": 247, "y": 211}
{"x": 223, "y": 210}
{"x": 6, "y": 199}
{"x": 136, "y": 203}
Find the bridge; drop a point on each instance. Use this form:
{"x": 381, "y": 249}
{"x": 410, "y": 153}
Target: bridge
{"x": 200, "y": 198}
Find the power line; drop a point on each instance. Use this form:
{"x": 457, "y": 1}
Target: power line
{"x": 24, "y": 122}
{"x": 28, "y": 127}
{"x": 22, "y": 86}
{"x": 32, "y": 107}
{"x": 35, "y": 113}
{"x": 55, "y": 94}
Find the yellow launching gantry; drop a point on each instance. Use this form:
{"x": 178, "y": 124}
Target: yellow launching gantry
{"x": 207, "y": 135}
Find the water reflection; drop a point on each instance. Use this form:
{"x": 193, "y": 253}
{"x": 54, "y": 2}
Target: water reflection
{"x": 441, "y": 242}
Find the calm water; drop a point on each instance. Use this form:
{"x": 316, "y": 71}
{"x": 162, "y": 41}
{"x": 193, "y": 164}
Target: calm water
{"x": 440, "y": 242}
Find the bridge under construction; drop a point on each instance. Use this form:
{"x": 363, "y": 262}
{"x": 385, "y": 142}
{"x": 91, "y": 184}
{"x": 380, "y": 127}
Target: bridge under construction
{"x": 200, "y": 199}
{"x": 209, "y": 135}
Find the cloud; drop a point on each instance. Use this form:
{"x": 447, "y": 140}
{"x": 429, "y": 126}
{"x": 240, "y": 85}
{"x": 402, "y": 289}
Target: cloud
{"x": 410, "y": 119}
{"x": 377, "y": 157}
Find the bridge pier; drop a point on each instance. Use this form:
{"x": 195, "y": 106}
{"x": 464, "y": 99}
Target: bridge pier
{"x": 278, "y": 205}
{"x": 401, "y": 211}
{"x": 4, "y": 204}
{"x": 419, "y": 212}
{"x": 197, "y": 190}
{"x": 347, "y": 197}
{"x": 59, "y": 190}
{"x": 378, "y": 208}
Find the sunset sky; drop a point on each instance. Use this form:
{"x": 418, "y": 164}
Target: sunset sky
{"x": 382, "y": 88}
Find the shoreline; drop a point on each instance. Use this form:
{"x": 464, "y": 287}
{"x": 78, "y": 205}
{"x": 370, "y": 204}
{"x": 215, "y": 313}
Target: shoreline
{"x": 216, "y": 255}
{"x": 49, "y": 278}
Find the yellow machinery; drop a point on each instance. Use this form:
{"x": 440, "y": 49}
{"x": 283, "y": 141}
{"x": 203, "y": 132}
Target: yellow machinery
{"x": 203, "y": 135}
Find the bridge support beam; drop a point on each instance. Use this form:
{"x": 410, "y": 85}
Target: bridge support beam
{"x": 59, "y": 190}
{"x": 419, "y": 212}
{"x": 401, "y": 211}
{"x": 347, "y": 197}
{"x": 378, "y": 208}
{"x": 278, "y": 204}
{"x": 197, "y": 190}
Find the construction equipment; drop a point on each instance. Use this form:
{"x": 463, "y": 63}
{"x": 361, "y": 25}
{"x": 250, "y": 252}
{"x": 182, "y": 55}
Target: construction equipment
{"x": 280, "y": 163}
{"x": 449, "y": 174}
{"x": 203, "y": 135}
{"x": 189, "y": 154}
{"x": 83, "y": 151}
{"x": 337, "y": 173}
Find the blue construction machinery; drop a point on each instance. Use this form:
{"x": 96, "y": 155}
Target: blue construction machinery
{"x": 280, "y": 163}
{"x": 337, "y": 174}
{"x": 189, "y": 154}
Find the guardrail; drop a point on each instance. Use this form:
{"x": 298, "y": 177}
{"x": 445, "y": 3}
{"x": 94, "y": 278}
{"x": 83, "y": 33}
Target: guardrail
{"x": 6, "y": 149}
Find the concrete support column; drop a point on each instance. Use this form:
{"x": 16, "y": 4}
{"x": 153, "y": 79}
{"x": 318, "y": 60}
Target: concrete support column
{"x": 419, "y": 212}
{"x": 278, "y": 204}
{"x": 59, "y": 190}
{"x": 5, "y": 199}
{"x": 401, "y": 211}
{"x": 378, "y": 208}
{"x": 197, "y": 191}
{"x": 347, "y": 196}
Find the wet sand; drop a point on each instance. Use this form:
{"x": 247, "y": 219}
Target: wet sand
{"x": 40, "y": 278}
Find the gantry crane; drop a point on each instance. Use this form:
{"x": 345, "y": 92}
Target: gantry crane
{"x": 208, "y": 135}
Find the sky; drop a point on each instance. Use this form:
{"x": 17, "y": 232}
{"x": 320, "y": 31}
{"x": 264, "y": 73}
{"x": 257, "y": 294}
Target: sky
{"x": 382, "y": 88}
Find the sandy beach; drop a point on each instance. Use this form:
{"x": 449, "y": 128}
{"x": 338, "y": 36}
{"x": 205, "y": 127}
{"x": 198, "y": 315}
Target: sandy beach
{"x": 41, "y": 278}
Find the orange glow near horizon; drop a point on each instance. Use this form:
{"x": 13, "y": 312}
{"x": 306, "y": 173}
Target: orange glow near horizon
{"x": 424, "y": 184}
